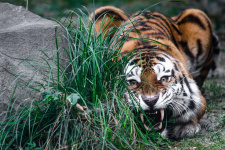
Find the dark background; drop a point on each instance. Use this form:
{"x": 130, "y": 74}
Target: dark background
{"x": 215, "y": 9}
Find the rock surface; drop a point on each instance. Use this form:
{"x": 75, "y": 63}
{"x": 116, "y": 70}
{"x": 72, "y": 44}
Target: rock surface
{"x": 22, "y": 34}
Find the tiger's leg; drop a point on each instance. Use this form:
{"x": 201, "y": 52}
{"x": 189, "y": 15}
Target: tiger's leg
{"x": 197, "y": 42}
{"x": 178, "y": 131}
{"x": 216, "y": 54}
{"x": 186, "y": 129}
{"x": 209, "y": 67}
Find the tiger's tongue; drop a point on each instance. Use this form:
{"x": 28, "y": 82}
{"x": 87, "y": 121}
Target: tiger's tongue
{"x": 161, "y": 111}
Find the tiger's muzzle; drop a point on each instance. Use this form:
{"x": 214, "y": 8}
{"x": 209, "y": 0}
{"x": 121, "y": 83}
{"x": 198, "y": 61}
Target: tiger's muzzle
{"x": 150, "y": 101}
{"x": 152, "y": 116}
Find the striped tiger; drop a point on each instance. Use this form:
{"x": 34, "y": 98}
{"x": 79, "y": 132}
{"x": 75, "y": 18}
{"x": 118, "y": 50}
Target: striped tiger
{"x": 165, "y": 75}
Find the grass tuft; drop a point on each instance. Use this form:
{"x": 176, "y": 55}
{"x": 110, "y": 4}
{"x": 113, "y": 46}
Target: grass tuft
{"x": 82, "y": 104}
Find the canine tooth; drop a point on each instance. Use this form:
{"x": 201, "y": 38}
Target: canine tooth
{"x": 160, "y": 125}
{"x": 147, "y": 128}
{"x": 162, "y": 114}
{"x": 142, "y": 117}
{"x": 156, "y": 112}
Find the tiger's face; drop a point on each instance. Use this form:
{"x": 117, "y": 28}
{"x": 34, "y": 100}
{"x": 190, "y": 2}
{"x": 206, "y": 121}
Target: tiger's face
{"x": 156, "y": 83}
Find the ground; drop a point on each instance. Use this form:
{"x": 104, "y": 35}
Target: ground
{"x": 212, "y": 135}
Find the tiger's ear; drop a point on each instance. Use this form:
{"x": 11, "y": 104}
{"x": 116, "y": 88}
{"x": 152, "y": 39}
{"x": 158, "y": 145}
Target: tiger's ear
{"x": 107, "y": 17}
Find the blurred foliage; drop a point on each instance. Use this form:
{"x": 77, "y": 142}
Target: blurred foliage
{"x": 38, "y": 6}
{"x": 41, "y": 7}
{"x": 50, "y": 8}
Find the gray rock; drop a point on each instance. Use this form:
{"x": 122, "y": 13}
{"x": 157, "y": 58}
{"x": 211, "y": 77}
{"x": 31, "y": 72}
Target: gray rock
{"x": 22, "y": 34}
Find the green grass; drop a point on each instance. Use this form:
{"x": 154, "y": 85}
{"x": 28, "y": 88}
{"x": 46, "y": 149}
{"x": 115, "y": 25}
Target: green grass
{"x": 82, "y": 104}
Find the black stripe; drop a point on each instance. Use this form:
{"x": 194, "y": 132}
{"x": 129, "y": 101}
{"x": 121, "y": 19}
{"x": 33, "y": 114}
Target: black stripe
{"x": 167, "y": 96}
{"x": 165, "y": 21}
{"x": 142, "y": 23}
{"x": 156, "y": 36}
{"x": 147, "y": 14}
{"x": 151, "y": 51}
{"x": 142, "y": 29}
{"x": 175, "y": 66}
{"x": 183, "y": 112}
{"x": 215, "y": 40}
{"x": 169, "y": 48}
{"x": 184, "y": 94}
{"x": 133, "y": 62}
{"x": 199, "y": 47}
{"x": 213, "y": 67}
{"x": 215, "y": 43}
{"x": 208, "y": 22}
{"x": 206, "y": 68}
{"x": 216, "y": 50}
{"x": 181, "y": 82}
{"x": 174, "y": 41}
{"x": 172, "y": 74}
{"x": 161, "y": 59}
{"x": 148, "y": 47}
{"x": 187, "y": 83}
{"x": 175, "y": 28}
{"x": 167, "y": 71}
{"x": 175, "y": 79}
{"x": 191, "y": 105}
{"x": 164, "y": 53}
{"x": 160, "y": 18}
{"x": 186, "y": 49}
{"x": 192, "y": 19}
{"x": 131, "y": 72}
{"x": 165, "y": 30}
{"x": 160, "y": 51}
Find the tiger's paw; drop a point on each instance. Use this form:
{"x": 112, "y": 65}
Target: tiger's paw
{"x": 179, "y": 131}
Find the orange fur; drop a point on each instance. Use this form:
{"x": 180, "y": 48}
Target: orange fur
{"x": 186, "y": 37}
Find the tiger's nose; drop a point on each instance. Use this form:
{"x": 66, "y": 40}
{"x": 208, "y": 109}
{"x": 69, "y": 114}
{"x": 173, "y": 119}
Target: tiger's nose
{"x": 150, "y": 100}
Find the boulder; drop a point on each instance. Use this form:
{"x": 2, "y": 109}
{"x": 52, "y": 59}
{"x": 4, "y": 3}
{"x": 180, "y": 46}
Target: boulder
{"x": 22, "y": 35}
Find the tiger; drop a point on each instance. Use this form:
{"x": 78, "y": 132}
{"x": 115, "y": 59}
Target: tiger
{"x": 164, "y": 76}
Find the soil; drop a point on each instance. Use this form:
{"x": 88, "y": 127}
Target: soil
{"x": 212, "y": 122}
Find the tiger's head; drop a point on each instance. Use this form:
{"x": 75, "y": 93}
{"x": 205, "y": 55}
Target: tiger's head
{"x": 158, "y": 83}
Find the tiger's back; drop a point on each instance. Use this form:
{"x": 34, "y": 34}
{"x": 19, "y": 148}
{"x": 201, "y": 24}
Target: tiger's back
{"x": 190, "y": 33}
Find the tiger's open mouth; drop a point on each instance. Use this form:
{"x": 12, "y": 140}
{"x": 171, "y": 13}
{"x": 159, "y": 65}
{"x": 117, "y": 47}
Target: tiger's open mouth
{"x": 153, "y": 119}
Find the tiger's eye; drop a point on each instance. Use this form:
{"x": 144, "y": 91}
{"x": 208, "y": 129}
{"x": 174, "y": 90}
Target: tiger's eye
{"x": 132, "y": 82}
{"x": 164, "y": 79}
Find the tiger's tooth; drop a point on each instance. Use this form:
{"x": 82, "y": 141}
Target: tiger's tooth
{"x": 147, "y": 128}
{"x": 162, "y": 114}
{"x": 142, "y": 117}
{"x": 160, "y": 125}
